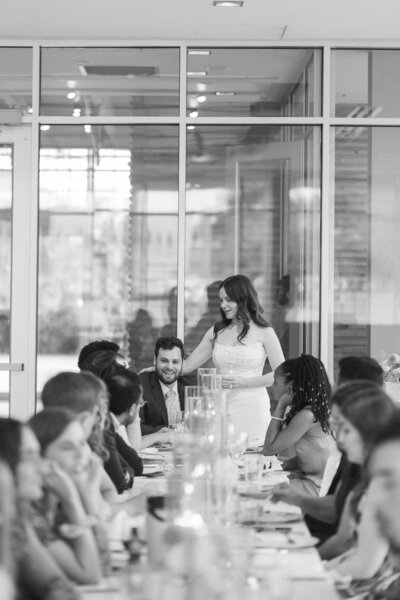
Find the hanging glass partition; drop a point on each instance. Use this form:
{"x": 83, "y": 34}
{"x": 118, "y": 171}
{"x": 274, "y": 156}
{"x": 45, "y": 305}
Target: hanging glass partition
{"x": 108, "y": 240}
{"x": 365, "y": 83}
{"x": 112, "y": 82}
{"x": 253, "y": 206}
{"x": 6, "y": 194}
{"x": 15, "y": 83}
{"x": 367, "y": 216}
{"x": 254, "y": 82}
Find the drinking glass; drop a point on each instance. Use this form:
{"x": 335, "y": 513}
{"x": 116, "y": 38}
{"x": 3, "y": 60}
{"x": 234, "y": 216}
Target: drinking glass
{"x": 210, "y": 382}
{"x": 253, "y": 466}
{"x": 237, "y": 443}
{"x": 193, "y": 398}
{"x": 205, "y": 371}
{"x": 178, "y": 422}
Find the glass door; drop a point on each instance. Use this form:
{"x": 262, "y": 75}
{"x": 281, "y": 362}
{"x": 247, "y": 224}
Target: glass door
{"x": 17, "y": 274}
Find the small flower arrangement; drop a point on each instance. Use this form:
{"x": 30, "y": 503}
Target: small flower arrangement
{"x": 391, "y": 368}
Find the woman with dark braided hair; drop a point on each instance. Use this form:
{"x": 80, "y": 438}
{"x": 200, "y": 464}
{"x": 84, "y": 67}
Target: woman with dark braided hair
{"x": 239, "y": 344}
{"x": 301, "y": 420}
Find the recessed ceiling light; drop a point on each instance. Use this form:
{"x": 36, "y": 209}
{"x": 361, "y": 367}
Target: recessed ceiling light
{"x": 228, "y": 3}
{"x": 193, "y": 113}
{"x": 191, "y": 127}
{"x": 225, "y": 93}
{"x": 199, "y": 52}
{"x": 201, "y": 99}
{"x": 44, "y": 127}
{"x": 87, "y": 128}
{"x": 76, "y": 112}
{"x": 71, "y": 95}
{"x": 196, "y": 73}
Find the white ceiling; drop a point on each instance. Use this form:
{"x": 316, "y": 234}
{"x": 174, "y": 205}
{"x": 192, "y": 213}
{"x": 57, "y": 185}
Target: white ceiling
{"x": 258, "y": 20}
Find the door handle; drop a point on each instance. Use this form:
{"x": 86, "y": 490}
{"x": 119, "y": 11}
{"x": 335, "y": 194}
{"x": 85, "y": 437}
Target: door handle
{"x": 11, "y": 366}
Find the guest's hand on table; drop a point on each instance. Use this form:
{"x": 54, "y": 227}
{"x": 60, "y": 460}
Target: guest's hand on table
{"x": 164, "y": 435}
{"x": 285, "y": 493}
{"x": 232, "y": 382}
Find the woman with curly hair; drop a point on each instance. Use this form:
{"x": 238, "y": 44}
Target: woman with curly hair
{"x": 239, "y": 345}
{"x": 301, "y": 420}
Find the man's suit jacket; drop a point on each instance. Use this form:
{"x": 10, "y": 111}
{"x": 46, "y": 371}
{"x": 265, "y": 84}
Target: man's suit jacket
{"x": 154, "y": 414}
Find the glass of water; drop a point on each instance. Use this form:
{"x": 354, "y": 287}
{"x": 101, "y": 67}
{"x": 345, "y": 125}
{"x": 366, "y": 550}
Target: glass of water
{"x": 253, "y": 467}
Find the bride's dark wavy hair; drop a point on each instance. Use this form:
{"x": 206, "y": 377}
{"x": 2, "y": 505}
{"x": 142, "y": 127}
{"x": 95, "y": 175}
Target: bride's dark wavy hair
{"x": 240, "y": 289}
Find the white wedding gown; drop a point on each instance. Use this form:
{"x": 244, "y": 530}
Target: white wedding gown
{"x": 248, "y": 408}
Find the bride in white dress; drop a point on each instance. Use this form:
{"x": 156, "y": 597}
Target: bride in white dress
{"x": 239, "y": 345}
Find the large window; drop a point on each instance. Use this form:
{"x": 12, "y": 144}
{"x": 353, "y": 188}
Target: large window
{"x": 108, "y": 240}
{"x": 253, "y": 206}
{"x": 367, "y": 217}
{"x": 158, "y": 171}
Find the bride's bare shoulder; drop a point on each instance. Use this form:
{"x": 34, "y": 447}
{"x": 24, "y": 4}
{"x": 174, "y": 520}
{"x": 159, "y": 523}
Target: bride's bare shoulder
{"x": 264, "y": 334}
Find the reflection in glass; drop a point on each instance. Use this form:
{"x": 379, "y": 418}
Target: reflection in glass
{"x": 6, "y": 191}
{"x": 367, "y": 214}
{"x": 108, "y": 240}
{"x": 254, "y": 82}
{"x": 253, "y": 206}
{"x": 364, "y": 84}
{"x": 16, "y": 79}
{"x": 110, "y": 81}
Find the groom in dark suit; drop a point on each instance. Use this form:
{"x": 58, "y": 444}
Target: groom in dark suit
{"x": 163, "y": 392}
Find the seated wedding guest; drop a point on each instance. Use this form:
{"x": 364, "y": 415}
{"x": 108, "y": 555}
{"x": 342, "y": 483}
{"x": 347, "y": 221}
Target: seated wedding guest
{"x": 97, "y": 355}
{"x": 322, "y": 514}
{"x": 63, "y": 519}
{"x": 86, "y": 394}
{"x": 7, "y": 516}
{"x": 163, "y": 392}
{"x": 37, "y": 575}
{"x": 384, "y": 473}
{"x": 355, "y": 368}
{"x": 357, "y": 549}
{"x": 125, "y": 397}
{"x": 301, "y": 420}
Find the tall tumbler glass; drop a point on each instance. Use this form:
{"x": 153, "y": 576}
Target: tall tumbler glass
{"x": 205, "y": 371}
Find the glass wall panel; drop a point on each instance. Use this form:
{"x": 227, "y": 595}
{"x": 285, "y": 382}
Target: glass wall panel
{"x": 110, "y": 81}
{"x": 365, "y": 83}
{"x": 253, "y": 206}
{"x": 108, "y": 240}
{"x": 16, "y": 79}
{"x": 6, "y": 195}
{"x": 367, "y": 246}
{"x": 254, "y": 82}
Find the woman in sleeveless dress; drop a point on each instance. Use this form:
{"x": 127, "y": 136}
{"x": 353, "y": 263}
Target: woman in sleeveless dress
{"x": 239, "y": 345}
{"x": 301, "y": 421}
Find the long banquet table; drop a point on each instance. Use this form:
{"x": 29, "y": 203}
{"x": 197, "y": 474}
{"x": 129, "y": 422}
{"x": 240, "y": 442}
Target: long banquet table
{"x": 297, "y": 562}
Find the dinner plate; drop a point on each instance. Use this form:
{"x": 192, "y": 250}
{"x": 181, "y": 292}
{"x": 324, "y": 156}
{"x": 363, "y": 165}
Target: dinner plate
{"x": 257, "y": 495}
{"x": 284, "y": 541}
{"x": 164, "y": 445}
{"x": 276, "y": 516}
{"x": 110, "y": 584}
{"x": 151, "y": 469}
{"x": 149, "y": 450}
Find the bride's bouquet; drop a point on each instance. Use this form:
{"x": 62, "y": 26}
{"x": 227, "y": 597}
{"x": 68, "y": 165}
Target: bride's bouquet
{"x": 391, "y": 368}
